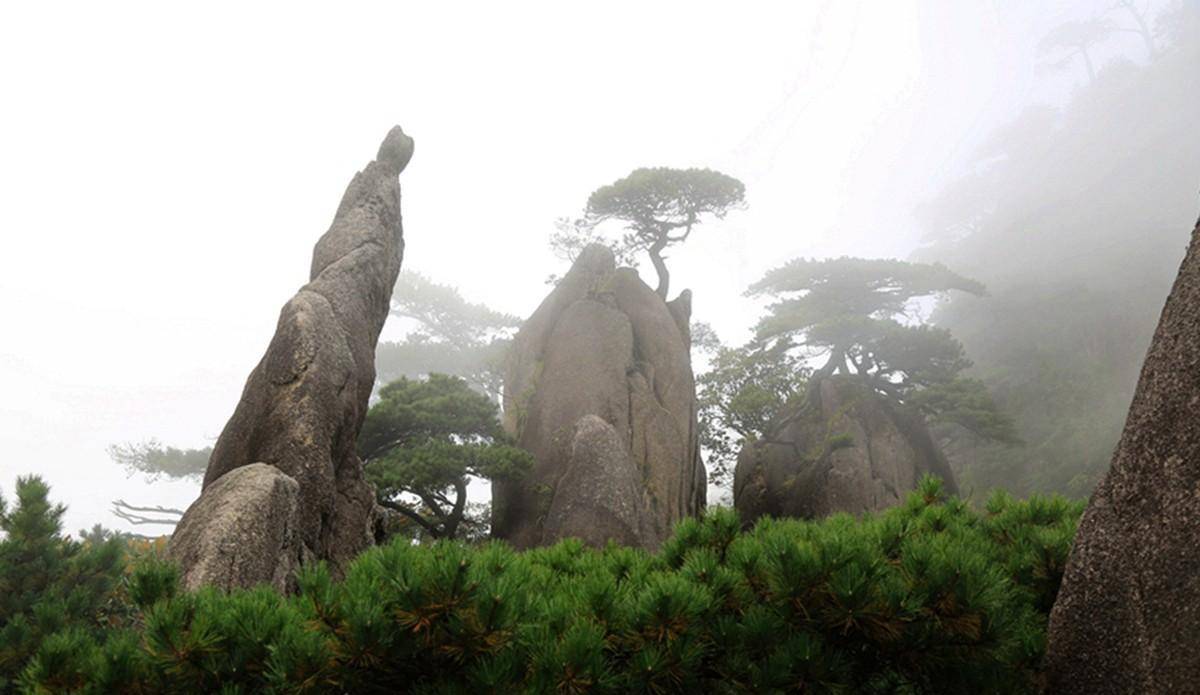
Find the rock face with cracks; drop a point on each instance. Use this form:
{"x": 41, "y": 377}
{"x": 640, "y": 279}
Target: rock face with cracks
{"x": 600, "y": 390}
{"x": 243, "y": 531}
{"x": 303, "y": 405}
{"x": 1127, "y": 618}
{"x": 846, "y": 449}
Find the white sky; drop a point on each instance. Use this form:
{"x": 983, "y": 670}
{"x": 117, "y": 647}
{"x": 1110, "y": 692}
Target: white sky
{"x": 165, "y": 171}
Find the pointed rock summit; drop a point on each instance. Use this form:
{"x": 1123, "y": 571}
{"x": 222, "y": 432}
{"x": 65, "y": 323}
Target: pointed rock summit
{"x": 1127, "y": 618}
{"x": 284, "y": 485}
{"x": 600, "y": 390}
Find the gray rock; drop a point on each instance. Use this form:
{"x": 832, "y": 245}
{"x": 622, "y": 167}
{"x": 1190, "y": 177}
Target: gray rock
{"x": 304, "y": 403}
{"x": 846, "y": 449}
{"x": 601, "y": 344}
{"x": 605, "y": 503}
{"x": 243, "y": 531}
{"x": 1127, "y": 618}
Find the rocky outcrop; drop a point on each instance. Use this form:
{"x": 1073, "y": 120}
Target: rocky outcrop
{"x": 600, "y": 390}
{"x": 604, "y": 501}
{"x": 243, "y": 531}
{"x": 1127, "y": 618}
{"x": 845, "y": 449}
{"x": 304, "y": 403}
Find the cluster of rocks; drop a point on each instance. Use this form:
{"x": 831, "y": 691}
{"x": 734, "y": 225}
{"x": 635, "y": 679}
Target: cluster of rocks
{"x": 600, "y": 390}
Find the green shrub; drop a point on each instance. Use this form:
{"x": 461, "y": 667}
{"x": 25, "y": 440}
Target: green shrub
{"x": 56, "y": 594}
{"x": 929, "y": 597}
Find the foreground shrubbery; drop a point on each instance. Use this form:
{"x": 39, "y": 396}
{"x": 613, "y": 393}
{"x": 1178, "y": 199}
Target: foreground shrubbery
{"x": 49, "y": 584}
{"x": 928, "y": 597}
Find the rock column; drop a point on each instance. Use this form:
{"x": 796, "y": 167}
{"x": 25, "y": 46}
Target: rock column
{"x": 303, "y": 406}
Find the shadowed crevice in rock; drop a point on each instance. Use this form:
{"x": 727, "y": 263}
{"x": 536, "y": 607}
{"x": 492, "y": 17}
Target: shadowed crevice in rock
{"x": 1127, "y": 617}
{"x": 602, "y": 348}
{"x": 846, "y": 449}
{"x": 303, "y": 405}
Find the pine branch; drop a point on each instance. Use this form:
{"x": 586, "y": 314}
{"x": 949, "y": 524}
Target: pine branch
{"x": 154, "y": 510}
{"x": 431, "y": 528}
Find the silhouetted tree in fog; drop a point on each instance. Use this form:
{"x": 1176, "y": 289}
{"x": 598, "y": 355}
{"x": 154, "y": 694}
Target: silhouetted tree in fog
{"x": 448, "y": 335}
{"x": 1072, "y": 216}
{"x": 155, "y": 461}
{"x": 847, "y": 311}
{"x": 1076, "y": 39}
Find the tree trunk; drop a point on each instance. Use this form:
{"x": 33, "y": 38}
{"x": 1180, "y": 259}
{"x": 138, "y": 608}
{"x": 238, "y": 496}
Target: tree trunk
{"x": 660, "y": 266}
{"x": 460, "y": 505}
{"x": 1087, "y": 61}
{"x": 1143, "y": 30}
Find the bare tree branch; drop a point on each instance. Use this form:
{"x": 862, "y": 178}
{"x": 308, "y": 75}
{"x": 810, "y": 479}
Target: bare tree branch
{"x": 154, "y": 510}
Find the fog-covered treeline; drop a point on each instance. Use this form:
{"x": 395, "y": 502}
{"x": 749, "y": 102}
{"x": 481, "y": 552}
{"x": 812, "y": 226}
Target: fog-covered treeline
{"x": 1075, "y": 219}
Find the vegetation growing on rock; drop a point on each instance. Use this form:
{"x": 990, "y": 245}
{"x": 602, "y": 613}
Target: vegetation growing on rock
{"x": 660, "y": 207}
{"x": 742, "y": 393}
{"x": 851, "y": 312}
{"x": 601, "y": 344}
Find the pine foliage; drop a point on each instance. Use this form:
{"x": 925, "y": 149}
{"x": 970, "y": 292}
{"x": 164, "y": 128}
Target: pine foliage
{"x": 55, "y": 593}
{"x": 929, "y": 597}
{"x": 423, "y": 440}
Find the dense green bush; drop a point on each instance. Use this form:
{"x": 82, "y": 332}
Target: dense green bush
{"x": 52, "y": 589}
{"x": 930, "y": 597}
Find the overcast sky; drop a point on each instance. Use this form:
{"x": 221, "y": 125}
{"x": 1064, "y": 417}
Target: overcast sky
{"x": 164, "y": 172}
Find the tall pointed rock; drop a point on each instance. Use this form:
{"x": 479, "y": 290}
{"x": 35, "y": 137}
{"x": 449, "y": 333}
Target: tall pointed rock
{"x": 303, "y": 406}
{"x": 1127, "y": 618}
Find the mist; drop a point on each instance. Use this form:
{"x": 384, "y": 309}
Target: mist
{"x": 166, "y": 173}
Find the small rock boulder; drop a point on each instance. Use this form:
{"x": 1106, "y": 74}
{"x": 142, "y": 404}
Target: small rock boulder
{"x": 844, "y": 449}
{"x": 243, "y": 531}
{"x": 601, "y": 348}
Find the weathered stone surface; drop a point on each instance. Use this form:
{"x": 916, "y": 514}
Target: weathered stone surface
{"x": 847, "y": 450}
{"x": 605, "y": 502}
{"x": 304, "y": 403}
{"x": 1127, "y": 618}
{"x": 243, "y": 531}
{"x": 602, "y": 344}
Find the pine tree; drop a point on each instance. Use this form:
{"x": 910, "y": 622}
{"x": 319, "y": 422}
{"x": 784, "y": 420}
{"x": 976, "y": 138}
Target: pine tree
{"x": 660, "y": 207}
{"x": 928, "y": 597}
{"x": 49, "y": 583}
{"x": 423, "y": 441}
{"x": 857, "y": 315}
